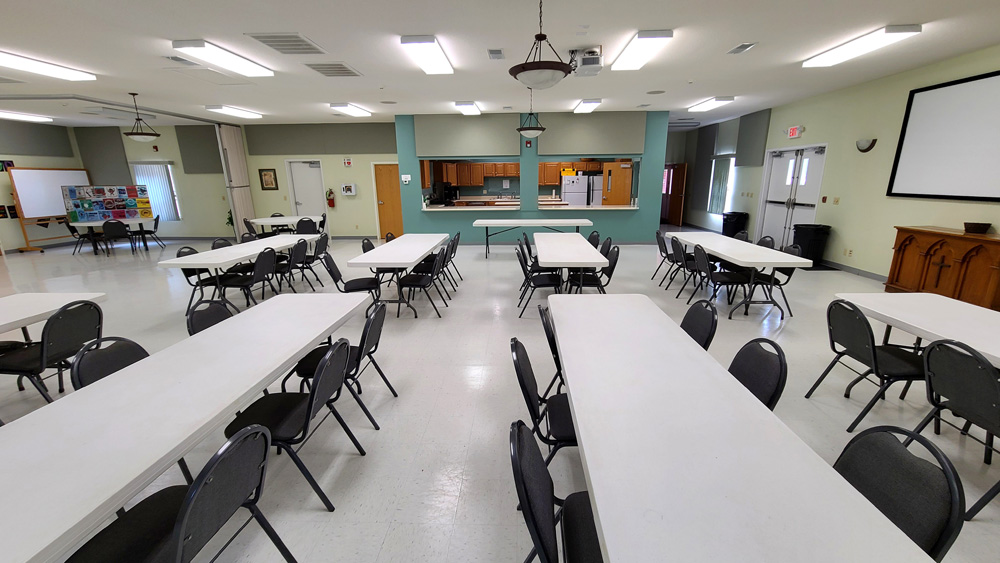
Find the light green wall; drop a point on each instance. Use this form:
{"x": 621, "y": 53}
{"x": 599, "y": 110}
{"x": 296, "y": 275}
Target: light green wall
{"x": 203, "y": 199}
{"x": 864, "y": 219}
{"x": 353, "y": 215}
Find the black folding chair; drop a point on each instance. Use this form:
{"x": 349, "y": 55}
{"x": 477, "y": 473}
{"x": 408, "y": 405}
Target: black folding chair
{"x": 281, "y": 229}
{"x": 371, "y": 285}
{"x": 595, "y": 280}
{"x": 700, "y": 322}
{"x": 423, "y": 282}
{"x": 769, "y": 281}
{"x": 559, "y": 430}
{"x": 143, "y": 232}
{"x": 205, "y": 314}
{"x": 685, "y": 264}
{"x": 550, "y": 337}
{"x": 761, "y": 371}
{"x": 197, "y": 278}
{"x": 115, "y": 231}
{"x": 533, "y": 281}
{"x": 263, "y": 271}
{"x": 306, "y": 226}
{"x": 594, "y": 238}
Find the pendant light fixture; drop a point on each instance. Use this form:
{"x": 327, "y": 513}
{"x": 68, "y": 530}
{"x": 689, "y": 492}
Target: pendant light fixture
{"x": 141, "y": 131}
{"x": 531, "y": 127}
{"x": 535, "y": 72}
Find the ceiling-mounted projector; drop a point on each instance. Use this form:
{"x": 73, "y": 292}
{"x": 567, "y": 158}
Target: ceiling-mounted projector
{"x": 589, "y": 62}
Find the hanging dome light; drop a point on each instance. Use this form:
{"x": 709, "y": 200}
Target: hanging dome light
{"x": 531, "y": 127}
{"x": 141, "y": 131}
{"x": 536, "y": 73}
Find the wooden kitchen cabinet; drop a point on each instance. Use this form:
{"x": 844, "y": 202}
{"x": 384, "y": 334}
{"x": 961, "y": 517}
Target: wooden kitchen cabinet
{"x": 550, "y": 174}
{"x": 464, "y": 173}
{"x": 511, "y": 169}
{"x": 477, "y": 174}
{"x": 450, "y": 170}
{"x": 425, "y": 174}
{"x": 594, "y": 166}
{"x": 489, "y": 169}
{"x": 573, "y": 165}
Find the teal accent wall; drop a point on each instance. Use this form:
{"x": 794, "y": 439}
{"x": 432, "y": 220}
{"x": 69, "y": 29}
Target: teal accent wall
{"x": 623, "y": 226}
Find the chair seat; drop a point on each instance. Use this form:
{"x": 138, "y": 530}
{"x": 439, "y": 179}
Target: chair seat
{"x": 580, "y": 541}
{"x": 897, "y": 362}
{"x": 236, "y": 280}
{"x": 7, "y": 346}
{"x": 242, "y": 269}
{"x": 423, "y": 268}
{"x": 307, "y": 365}
{"x": 731, "y": 278}
{"x": 546, "y": 280}
{"x": 589, "y": 280}
{"x": 144, "y": 533}
{"x": 536, "y": 269}
{"x": 361, "y": 284}
{"x": 415, "y": 280}
{"x": 560, "y": 418}
{"x": 24, "y": 359}
{"x": 283, "y": 414}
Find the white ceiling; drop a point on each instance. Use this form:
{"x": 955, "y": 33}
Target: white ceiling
{"x": 125, "y": 42}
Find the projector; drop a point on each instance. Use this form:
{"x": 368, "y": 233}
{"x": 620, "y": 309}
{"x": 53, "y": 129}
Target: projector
{"x": 590, "y": 62}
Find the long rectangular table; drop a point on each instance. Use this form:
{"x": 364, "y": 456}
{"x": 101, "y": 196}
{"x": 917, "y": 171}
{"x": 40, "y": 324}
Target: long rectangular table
{"x": 934, "y": 317}
{"x": 91, "y": 225}
{"x": 512, "y": 224}
{"x": 70, "y": 465}
{"x": 23, "y": 309}
{"x": 567, "y": 250}
{"x": 744, "y": 254}
{"x": 402, "y": 253}
{"x": 282, "y": 221}
{"x": 683, "y": 463}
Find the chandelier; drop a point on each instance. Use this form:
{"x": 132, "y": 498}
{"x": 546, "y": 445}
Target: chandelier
{"x": 536, "y": 73}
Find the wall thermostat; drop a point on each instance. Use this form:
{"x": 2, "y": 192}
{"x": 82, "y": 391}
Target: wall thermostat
{"x": 348, "y": 189}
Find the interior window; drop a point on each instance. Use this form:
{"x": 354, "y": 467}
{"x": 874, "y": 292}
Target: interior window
{"x": 159, "y": 180}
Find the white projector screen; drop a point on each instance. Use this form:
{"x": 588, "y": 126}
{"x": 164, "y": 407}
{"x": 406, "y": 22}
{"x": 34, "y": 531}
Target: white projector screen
{"x": 949, "y": 146}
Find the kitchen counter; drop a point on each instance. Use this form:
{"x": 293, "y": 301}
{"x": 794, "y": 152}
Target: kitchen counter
{"x": 515, "y": 207}
{"x": 594, "y": 208}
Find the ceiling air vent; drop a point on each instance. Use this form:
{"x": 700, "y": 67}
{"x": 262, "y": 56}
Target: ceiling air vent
{"x": 741, "y": 48}
{"x": 334, "y": 69}
{"x": 288, "y": 43}
{"x": 181, "y": 60}
{"x": 495, "y": 54}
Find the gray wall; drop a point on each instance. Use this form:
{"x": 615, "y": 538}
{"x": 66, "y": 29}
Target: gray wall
{"x": 753, "y": 138}
{"x": 612, "y": 132}
{"x": 33, "y": 139}
{"x": 676, "y": 145}
{"x": 467, "y": 136}
{"x": 321, "y": 138}
{"x": 103, "y": 155}
{"x": 199, "y": 149}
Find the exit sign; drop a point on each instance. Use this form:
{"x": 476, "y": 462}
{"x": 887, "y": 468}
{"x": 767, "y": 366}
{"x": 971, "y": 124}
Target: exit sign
{"x": 795, "y": 131}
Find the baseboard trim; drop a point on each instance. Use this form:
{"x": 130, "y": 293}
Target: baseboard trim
{"x": 855, "y": 271}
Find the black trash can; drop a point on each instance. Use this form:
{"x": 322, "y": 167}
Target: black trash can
{"x": 734, "y": 222}
{"x": 812, "y": 239}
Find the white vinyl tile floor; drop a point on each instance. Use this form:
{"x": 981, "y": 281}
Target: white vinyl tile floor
{"x": 436, "y": 484}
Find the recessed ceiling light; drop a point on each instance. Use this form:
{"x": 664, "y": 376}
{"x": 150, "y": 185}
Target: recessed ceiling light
{"x": 656, "y": 92}
{"x": 508, "y": 108}
{"x": 24, "y": 117}
{"x": 215, "y": 55}
{"x": 587, "y": 106}
{"x": 643, "y": 47}
{"x": 712, "y": 103}
{"x": 427, "y": 53}
{"x": 351, "y": 110}
{"x": 387, "y": 102}
{"x": 862, "y": 45}
{"x": 467, "y": 108}
{"x": 235, "y": 112}
{"x": 18, "y": 62}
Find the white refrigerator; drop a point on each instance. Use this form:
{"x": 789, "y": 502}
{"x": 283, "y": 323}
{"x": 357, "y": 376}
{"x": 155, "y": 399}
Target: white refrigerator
{"x": 574, "y": 190}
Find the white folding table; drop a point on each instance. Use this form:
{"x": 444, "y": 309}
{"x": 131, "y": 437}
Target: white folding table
{"x": 748, "y": 255}
{"x": 70, "y": 465}
{"x": 512, "y": 224}
{"x": 91, "y": 225}
{"x": 282, "y": 221}
{"x": 567, "y": 250}
{"x": 399, "y": 254}
{"x": 684, "y": 463}
{"x": 932, "y": 317}
{"x": 23, "y": 309}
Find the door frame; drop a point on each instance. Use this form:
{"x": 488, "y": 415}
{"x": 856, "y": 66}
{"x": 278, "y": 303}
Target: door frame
{"x": 766, "y": 181}
{"x": 291, "y": 184}
{"x": 378, "y": 225}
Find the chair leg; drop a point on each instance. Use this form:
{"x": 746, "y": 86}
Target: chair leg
{"x": 657, "y": 271}
{"x": 382, "y": 375}
{"x": 157, "y": 240}
{"x": 457, "y": 272}
{"x": 40, "y": 386}
{"x": 305, "y": 473}
{"x": 905, "y": 389}
{"x": 868, "y": 407}
{"x": 966, "y": 427}
{"x": 62, "y": 388}
{"x": 988, "y": 457}
{"x": 438, "y": 286}
{"x": 823, "y": 375}
{"x": 364, "y": 408}
{"x": 432, "y": 302}
{"x": 526, "y": 302}
{"x": 346, "y": 428}
{"x": 552, "y": 453}
{"x": 855, "y": 381}
{"x": 266, "y": 526}
{"x": 982, "y": 502}
{"x": 185, "y": 471}
{"x": 687, "y": 278}
{"x": 785, "y": 299}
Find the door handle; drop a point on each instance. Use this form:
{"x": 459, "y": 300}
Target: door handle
{"x": 298, "y": 203}
{"x": 380, "y": 202}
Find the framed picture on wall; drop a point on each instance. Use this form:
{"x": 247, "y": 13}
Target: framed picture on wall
{"x": 5, "y": 164}
{"x": 268, "y": 179}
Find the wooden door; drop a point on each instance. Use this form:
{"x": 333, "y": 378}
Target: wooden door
{"x": 477, "y": 174}
{"x": 390, "y": 209}
{"x": 511, "y": 169}
{"x": 617, "y": 183}
{"x": 464, "y": 174}
{"x": 675, "y": 176}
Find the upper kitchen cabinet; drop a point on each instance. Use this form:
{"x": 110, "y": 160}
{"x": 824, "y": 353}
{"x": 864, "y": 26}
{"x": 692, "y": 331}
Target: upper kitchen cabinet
{"x": 477, "y": 174}
{"x": 464, "y": 174}
{"x": 489, "y": 169}
{"x": 450, "y": 173}
{"x": 511, "y": 169}
{"x": 550, "y": 174}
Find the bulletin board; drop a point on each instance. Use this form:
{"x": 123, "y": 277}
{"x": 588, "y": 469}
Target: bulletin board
{"x": 104, "y": 203}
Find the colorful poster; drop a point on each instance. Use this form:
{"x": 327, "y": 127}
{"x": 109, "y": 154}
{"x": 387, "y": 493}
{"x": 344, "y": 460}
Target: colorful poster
{"x": 146, "y": 213}
{"x": 131, "y": 191}
{"x": 130, "y": 203}
{"x": 87, "y": 204}
{"x": 118, "y": 214}
{"x": 131, "y": 213}
{"x": 141, "y": 191}
{"x": 98, "y": 191}
{"x": 142, "y": 202}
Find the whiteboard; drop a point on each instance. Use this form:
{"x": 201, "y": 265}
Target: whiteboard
{"x": 39, "y": 190}
{"x": 950, "y": 141}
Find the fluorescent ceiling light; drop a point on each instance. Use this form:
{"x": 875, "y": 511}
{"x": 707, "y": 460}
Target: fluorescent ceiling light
{"x": 351, "y": 110}
{"x": 214, "y": 55}
{"x": 427, "y": 53}
{"x": 587, "y": 106}
{"x": 24, "y": 117}
{"x": 235, "y": 112}
{"x": 643, "y": 47}
{"x": 712, "y": 103}
{"x": 18, "y": 62}
{"x": 862, "y": 45}
{"x": 468, "y": 108}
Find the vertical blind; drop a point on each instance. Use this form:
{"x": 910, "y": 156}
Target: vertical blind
{"x": 157, "y": 179}
{"x": 720, "y": 185}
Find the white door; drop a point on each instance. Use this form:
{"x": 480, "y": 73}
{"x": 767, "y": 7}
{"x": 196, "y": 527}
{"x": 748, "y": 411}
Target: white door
{"x": 793, "y": 191}
{"x": 778, "y": 195}
{"x": 308, "y": 196}
{"x": 807, "y": 188}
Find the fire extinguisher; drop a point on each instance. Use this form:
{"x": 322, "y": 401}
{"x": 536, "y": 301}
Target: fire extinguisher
{"x": 329, "y": 198}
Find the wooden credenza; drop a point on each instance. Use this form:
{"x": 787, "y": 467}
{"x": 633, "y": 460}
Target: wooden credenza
{"x": 948, "y": 262}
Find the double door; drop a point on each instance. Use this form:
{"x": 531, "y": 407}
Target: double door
{"x": 793, "y": 188}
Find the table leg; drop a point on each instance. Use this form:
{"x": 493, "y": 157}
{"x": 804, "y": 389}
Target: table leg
{"x": 93, "y": 240}
{"x": 399, "y": 292}
{"x": 487, "y": 243}
{"x": 145, "y": 244}
{"x": 748, "y": 299}
{"x": 218, "y": 287}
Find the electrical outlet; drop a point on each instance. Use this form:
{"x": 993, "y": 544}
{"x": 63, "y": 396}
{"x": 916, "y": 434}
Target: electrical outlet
{"x": 285, "y": 198}
{"x": 836, "y": 201}
{"x": 850, "y": 252}
{"x": 484, "y": 192}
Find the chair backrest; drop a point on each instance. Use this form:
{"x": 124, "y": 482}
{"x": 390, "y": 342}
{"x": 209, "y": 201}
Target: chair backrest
{"x": 156, "y": 223}
{"x": 232, "y": 478}
{"x": 389, "y": 236}
{"x": 679, "y": 255}
{"x": 327, "y": 379}
{"x": 922, "y": 499}
{"x": 103, "y": 357}
{"x": 766, "y": 241}
{"x": 526, "y": 379}
{"x": 69, "y": 328}
{"x": 277, "y": 215}
{"x": 661, "y": 243}
{"x": 367, "y": 245}
{"x": 742, "y": 235}
{"x": 249, "y": 226}
{"x": 594, "y": 238}
{"x": 605, "y": 247}
{"x": 534, "y": 491}
{"x": 760, "y": 370}
{"x": 794, "y": 250}
{"x": 848, "y": 327}
{"x": 115, "y": 229}
{"x": 372, "y": 332}
{"x": 454, "y": 249}
{"x": 700, "y": 322}
{"x": 306, "y": 226}
{"x": 220, "y": 243}
{"x": 439, "y": 262}
{"x": 247, "y": 237}
{"x": 190, "y": 272}
{"x": 263, "y": 265}
{"x": 449, "y": 250}
{"x": 319, "y": 247}
{"x": 701, "y": 262}
{"x": 332, "y": 269}
{"x": 609, "y": 270}
{"x": 73, "y": 230}
{"x": 322, "y": 222}
{"x": 205, "y": 314}
{"x": 963, "y": 380}
{"x": 550, "y": 335}
{"x": 298, "y": 253}
{"x": 527, "y": 246}
{"x": 521, "y": 261}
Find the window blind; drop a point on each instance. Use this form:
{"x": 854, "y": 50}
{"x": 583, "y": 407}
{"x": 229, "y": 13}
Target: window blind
{"x": 162, "y": 198}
